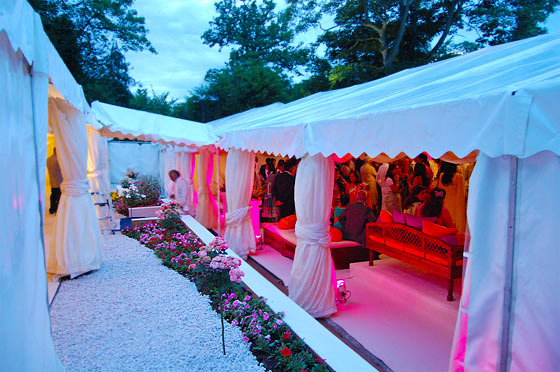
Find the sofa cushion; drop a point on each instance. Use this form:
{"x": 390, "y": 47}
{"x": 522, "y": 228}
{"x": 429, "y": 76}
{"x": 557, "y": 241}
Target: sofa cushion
{"x": 437, "y": 231}
{"x": 450, "y": 240}
{"x": 385, "y": 217}
{"x": 399, "y": 217}
{"x": 417, "y": 221}
{"x": 288, "y": 222}
{"x": 336, "y": 234}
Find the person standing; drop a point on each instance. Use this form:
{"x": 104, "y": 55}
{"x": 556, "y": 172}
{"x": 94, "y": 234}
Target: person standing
{"x": 55, "y": 179}
{"x": 181, "y": 191}
{"x": 453, "y": 183}
{"x": 369, "y": 174}
{"x": 283, "y": 191}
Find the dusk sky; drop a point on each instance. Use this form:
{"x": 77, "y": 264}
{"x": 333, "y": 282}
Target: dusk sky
{"x": 176, "y": 27}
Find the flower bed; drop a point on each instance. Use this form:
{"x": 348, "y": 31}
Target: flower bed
{"x": 218, "y": 276}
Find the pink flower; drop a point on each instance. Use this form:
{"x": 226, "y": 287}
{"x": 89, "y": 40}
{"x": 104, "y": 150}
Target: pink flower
{"x": 266, "y": 316}
{"x": 192, "y": 266}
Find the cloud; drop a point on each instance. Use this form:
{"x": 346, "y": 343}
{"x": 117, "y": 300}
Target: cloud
{"x": 175, "y": 30}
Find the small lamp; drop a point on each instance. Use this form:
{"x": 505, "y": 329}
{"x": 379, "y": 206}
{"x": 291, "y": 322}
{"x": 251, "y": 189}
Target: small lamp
{"x": 342, "y": 294}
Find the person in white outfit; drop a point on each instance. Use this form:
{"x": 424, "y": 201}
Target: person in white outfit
{"x": 182, "y": 191}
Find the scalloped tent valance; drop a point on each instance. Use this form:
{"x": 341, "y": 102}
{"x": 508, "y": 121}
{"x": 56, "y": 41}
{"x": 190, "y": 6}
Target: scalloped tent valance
{"x": 127, "y": 123}
{"x": 499, "y": 100}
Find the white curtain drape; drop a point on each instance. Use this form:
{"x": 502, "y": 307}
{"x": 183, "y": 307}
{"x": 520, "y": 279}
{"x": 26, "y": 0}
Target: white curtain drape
{"x": 312, "y": 279}
{"x": 167, "y": 162}
{"x": 186, "y": 165}
{"x": 98, "y": 162}
{"x": 239, "y": 187}
{"x": 76, "y": 243}
{"x": 24, "y": 322}
{"x": 206, "y": 210}
{"x": 534, "y": 326}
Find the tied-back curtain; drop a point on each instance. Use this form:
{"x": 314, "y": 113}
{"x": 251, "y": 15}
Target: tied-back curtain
{"x": 76, "y": 243}
{"x": 98, "y": 162}
{"x": 534, "y": 323}
{"x": 206, "y": 210}
{"x": 312, "y": 278}
{"x": 185, "y": 165}
{"x": 239, "y": 188}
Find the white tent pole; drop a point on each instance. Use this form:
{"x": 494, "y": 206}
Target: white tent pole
{"x": 505, "y": 343}
{"x": 218, "y": 186}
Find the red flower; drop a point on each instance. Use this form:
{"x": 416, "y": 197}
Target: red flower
{"x": 286, "y": 335}
{"x": 286, "y": 352}
{"x": 303, "y": 370}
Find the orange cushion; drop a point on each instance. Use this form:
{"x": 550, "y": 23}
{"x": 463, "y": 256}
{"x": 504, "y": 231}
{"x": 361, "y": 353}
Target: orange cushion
{"x": 435, "y": 230}
{"x": 385, "y": 217}
{"x": 336, "y": 234}
{"x": 288, "y": 222}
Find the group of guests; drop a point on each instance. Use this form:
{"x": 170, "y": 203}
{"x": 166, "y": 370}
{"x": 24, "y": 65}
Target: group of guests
{"x": 278, "y": 182}
{"x": 423, "y": 187}
{"x": 363, "y": 187}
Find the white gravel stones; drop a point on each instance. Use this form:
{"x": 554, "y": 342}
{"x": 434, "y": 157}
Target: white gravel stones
{"x": 134, "y": 314}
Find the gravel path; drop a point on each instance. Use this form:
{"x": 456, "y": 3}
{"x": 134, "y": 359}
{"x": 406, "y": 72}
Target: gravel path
{"x": 134, "y": 314}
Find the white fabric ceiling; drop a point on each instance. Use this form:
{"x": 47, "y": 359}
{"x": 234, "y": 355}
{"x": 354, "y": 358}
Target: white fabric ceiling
{"x": 124, "y": 123}
{"x": 499, "y": 100}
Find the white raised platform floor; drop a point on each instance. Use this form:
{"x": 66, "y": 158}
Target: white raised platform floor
{"x": 329, "y": 347}
{"x": 397, "y": 312}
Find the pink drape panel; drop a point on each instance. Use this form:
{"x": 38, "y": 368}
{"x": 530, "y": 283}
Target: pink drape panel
{"x": 206, "y": 210}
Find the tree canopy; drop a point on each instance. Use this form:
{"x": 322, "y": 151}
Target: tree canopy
{"x": 368, "y": 39}
{"x": 91, "y": 37}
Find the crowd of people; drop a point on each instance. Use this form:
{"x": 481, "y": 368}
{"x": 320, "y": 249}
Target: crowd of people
{"x": 421, "y": 186}
{"x": 363, "y": 187}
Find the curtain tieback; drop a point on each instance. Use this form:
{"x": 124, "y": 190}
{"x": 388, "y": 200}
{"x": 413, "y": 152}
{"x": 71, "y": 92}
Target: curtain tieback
{"x": 313, "y": 233}
{"x": 236, "y": 217}
{"x": 75, "y": 187}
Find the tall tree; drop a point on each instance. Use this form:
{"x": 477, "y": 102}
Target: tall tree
{"x": 372, "y": 38}
{"x": 91, "y": 36}
{"x": 240, "y": 86}
{"x": 501, "y": 21}
{"x": 256, "y": 31}
{"x": 156, "y": 103}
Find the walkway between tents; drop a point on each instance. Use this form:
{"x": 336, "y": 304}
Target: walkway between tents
{"x": 135, "y": 314}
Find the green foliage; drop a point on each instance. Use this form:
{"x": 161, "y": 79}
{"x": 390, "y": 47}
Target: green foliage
{"x": 502, "y": 21}
{"x": 371, "y": 39}
{"x": 91, "y": 37}
{"x": 158, "y": 104}
{"x": 239, "y": 86}
{"x": 256, "y": 31}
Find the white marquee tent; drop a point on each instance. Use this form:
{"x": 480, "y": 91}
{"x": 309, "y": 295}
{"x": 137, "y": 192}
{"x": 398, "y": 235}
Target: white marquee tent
{"x": 180, "y": 139}
{"x": 500, "y": 101}
{"x": 29, "y": 63}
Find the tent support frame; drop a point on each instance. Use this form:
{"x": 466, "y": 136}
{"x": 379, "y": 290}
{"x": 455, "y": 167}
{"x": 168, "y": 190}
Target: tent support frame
{"x": 504, "y": 356}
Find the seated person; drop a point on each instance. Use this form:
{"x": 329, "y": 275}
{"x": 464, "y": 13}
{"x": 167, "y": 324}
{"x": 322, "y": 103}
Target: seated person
{"x": 354, "y": 218}
{"x": 342, "y": 203}
{"x": 433, "y": 207}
